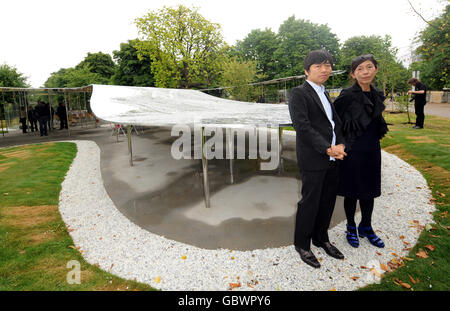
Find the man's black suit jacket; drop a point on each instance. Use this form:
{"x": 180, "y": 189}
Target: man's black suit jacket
{"x": 314, "y": 130}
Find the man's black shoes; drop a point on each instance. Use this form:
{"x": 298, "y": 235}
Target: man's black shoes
{"x": 330, "y": 249}
{"x": 308, "y": 257}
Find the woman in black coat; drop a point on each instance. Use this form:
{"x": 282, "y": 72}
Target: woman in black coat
{"x": 360, "y": 108}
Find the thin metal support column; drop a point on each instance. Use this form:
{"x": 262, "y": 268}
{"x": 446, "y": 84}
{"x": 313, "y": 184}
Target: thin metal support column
{"x": 130, "y": 149}
{"x": 205, "y": 172}
{"x": 231, "y": 153}
{"x": 280, "y": 149}
{"x": 67, "y": 102}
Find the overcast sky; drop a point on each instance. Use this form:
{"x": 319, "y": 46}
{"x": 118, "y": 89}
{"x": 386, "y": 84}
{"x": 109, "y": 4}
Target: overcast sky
{"x": 41, "y": 36}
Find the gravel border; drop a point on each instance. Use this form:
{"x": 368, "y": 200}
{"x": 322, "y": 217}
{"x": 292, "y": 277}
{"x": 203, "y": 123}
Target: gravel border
{"x": 107, "y": 238}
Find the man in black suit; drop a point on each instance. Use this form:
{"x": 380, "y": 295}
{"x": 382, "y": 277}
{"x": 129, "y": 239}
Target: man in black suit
{"x": 320, "y": 145}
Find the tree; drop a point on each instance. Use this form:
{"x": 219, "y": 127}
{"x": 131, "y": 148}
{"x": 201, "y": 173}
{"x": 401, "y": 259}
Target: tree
{"x": 260, "y": 46}
{"x": 99, "y": 63}
{"x": 384, "y": 53}
{"x": 435, "y": 51}
{"x": 96, "y": 68}
{"x": 130, "y": 69}
{"x": 186, "y": 49}
{"x": 238, "y": 75}
{"x": 296, "y": 39}
{"x": 10, "y": 77}
{"x": 74, "y": 77}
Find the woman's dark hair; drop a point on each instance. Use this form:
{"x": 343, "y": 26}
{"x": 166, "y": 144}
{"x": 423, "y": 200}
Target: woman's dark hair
{"x": 317, "y": 57}
{"x": 361, "y": 59}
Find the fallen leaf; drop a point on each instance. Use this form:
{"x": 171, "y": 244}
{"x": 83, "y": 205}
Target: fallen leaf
{"x": 157, "y": 279}
{"x": 403, "y": 284}
{"x": 184, "y": 257}
{"x": 379, "y": 254}
{"x": 422, "y": 254}
{"x": 412, "y": 280}
{"x": 354, "y": 278}
{"x": 430, "y": 247}
{"x": 249, "y": 285}
{"x": 232, "y": 258}
{"x": 395, "y": 254}
{"x": 383, "y": 267}
{"x": 332, "y": 290}
{"x": 402, "y": 237}
{"x": 392, "y": 265}
{"x": 406, "y": 243}
{"x": 407, "y": 258}
{"x": 363, "y": 267}
{"x": 70, "y": 230}
{"x": 434, "y": 236}
{"x": 234, "y": 285}
{"x": 72, "y": 247}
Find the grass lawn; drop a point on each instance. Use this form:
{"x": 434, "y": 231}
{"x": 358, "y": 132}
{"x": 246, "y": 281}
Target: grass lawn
{"x": 428, "y": 150}
{"x": 35, "y": 246}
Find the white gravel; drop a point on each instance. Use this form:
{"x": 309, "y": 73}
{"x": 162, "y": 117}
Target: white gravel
{"x": 107, "y": 238}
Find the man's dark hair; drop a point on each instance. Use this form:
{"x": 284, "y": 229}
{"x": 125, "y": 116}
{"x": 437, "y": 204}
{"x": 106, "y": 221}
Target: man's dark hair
{"x": 317, "y": 57}
{"x": 361, "y": 59}
{"x": 413, "y": 81}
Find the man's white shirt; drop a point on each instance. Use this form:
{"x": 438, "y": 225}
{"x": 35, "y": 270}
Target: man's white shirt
{"x": 320, "y": 90}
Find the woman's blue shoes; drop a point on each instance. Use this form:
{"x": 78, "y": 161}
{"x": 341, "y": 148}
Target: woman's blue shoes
{"x": 367, "y": 232}
{"x": 352, "y": 237}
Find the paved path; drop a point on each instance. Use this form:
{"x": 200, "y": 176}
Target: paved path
{"x": 432, "y": 109}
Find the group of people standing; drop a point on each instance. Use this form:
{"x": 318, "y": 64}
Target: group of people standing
{"x": 42, "y": 113}
{"x": 338, "y": 153}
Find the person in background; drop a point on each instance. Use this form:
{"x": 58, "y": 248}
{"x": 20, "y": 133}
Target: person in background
{"x": 43, "y": 115}
{"x": 32, "y": 118}
{"x": 360, "y": 108}
{"x": 420, "y": 100}
{"x": 23, "y": 119}
{"x": 62, "y": 115}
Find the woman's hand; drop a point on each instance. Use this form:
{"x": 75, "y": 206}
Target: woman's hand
{"x": 337, "y": 152}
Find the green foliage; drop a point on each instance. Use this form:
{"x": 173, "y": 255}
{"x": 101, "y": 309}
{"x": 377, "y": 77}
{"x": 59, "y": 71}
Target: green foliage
{"x": 391, "y": 75}
{"x": 238, "y": 75}
{"x": 260, "y": 46}
{"x": 296, "y": 39}
{"x": 74, "y": 77}
{"x": 434, "y": 51}
{"x": 99, "y": 63}
{"x": 96, "y": 68}
{"x": 186, "y": 49}
{"x": 10, "y": 77}
{"x": 130, "y": 69}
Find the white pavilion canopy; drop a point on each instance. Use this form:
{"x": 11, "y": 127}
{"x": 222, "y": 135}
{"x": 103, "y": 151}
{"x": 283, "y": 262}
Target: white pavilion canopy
{"x": 150, "y": 106}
